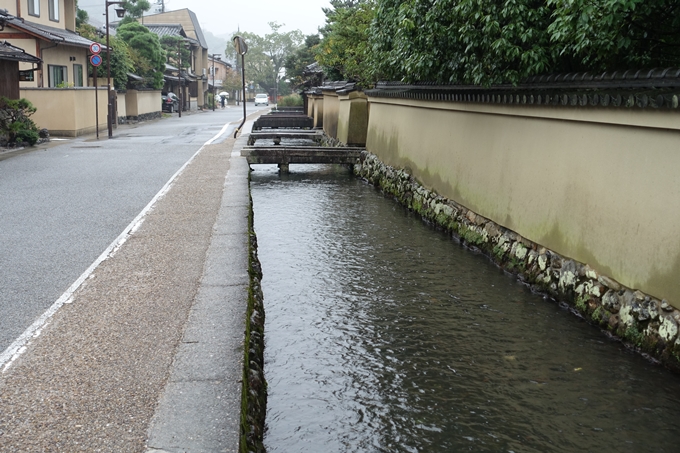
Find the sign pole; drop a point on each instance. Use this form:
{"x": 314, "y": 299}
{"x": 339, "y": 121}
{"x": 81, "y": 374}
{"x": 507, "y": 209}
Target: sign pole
{"x": 95, "y": 61}
{"x": 96, "y": 103}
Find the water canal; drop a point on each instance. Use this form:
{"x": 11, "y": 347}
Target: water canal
{"x": 385, "y": 335}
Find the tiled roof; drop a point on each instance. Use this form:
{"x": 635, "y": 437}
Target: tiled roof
{"x": 313, "y": 68}
{"x": 47, "y": 33}
{"x": 198, "y": 30}
{"x": 171, "y": 30}
{"x": 166, "y": 29}
{"x": 193, "y": 41}
{"x": 194, "y": 21}
{"x": 9, "y": 52}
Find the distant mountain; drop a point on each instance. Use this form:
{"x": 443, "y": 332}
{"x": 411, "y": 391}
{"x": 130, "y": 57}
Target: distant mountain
{"x": 217, "y": 44}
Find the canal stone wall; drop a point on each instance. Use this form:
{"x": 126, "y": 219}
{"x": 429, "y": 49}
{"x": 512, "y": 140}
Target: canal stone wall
{"x": 254, "y": 385}
{"x": 642, "y": 321}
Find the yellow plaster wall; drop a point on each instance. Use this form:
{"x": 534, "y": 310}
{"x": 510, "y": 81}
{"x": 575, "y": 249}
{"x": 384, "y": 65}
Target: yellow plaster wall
{"x": 66, "y": 13}
{"x": 331, "y": 110}
{"x": 318, "y": 111}
{"x": 121, "y": 105}
{"x": 61, "y": 56}
{"x": 142, "y": 102}
{"x": 353, "y": 118}
{"x": 67, "y": 111}
{"x": 310, "y": 106}
{"x": 598, "y": 185}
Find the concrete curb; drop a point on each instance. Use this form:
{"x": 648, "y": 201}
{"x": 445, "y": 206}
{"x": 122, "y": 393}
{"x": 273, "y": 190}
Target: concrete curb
{"x": 200, "y": 408}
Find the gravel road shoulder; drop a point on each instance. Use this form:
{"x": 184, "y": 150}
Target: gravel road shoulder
{"x": 93, "y": 379}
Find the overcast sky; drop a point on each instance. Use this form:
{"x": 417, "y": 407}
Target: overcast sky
{"x": 225, "y": 16}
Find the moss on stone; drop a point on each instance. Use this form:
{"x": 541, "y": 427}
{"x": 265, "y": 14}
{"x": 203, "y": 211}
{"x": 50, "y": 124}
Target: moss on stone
{"x": 471, "y": 236}
{"x": 633, "y": 335}
{"x": 582, "y": 304}
{"x": 254, "y": 385}
{"x": 498, "y": 252}
{"x": 597, "y": 315}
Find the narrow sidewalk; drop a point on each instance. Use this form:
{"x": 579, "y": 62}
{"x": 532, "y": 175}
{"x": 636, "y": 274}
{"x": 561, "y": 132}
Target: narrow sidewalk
{"x": 150, "y": 346}
{"x": 201, "y": 406}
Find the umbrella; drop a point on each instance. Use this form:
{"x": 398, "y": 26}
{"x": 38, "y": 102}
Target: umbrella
{"x": 224, "y": 93}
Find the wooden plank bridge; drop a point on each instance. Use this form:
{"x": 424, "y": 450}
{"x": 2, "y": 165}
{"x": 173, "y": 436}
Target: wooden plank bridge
{"x": 292, "y": 125}
{"x": 286, "y": 155}
{"x": 290, "y": 134}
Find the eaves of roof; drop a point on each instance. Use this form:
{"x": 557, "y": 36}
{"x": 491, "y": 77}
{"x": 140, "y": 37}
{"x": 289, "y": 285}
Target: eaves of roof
{"x": 47, "y": 33}
{"x": 12, "y": 53}
{"x": 198, "y": 30}
{"x": 167, "y": 29}
{"x": 193, "y": 42}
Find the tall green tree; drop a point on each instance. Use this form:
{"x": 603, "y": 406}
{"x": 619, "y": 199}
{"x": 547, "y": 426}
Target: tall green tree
{"x": 146, "y": 51}
{"x": 304, "y": 56}
{"x": 171, "y": 45}
{"x": 345, "y": 52}
{"x": 82, "y": 17}
{"x": 266, "y": 54}
{"x": 134, "y": 9}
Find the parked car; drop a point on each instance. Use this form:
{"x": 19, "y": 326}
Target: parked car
{"x": 261, "y": 99}
{"x": 169, "y": 102}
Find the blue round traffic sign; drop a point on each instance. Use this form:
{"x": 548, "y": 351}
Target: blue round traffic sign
{"x": 96, "y": 60}
{"x": 95, "y": 47}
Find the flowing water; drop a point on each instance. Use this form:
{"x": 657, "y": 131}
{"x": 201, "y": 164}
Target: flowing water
{"x": 385, "y": 335}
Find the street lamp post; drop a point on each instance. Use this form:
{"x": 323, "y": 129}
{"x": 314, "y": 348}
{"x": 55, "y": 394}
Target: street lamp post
{"x": 120, "y": 12}
{"x": 241, "y": 49}
{"x": 179, "y": 75}
{"x": 213, "y": 76}
{"x": 180, "y": 44}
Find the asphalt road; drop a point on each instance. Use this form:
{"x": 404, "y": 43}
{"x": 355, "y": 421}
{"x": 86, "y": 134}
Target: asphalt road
{"x": 61, "y": 206}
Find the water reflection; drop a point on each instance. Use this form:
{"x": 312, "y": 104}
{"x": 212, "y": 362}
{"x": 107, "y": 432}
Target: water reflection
{"x": 385, "y": 335}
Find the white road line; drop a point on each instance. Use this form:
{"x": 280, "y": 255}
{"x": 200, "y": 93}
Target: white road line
{"x": 20, "y": 345}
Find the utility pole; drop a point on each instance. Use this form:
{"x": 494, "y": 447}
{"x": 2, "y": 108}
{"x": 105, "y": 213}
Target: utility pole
{"x": 241, "y": 49}
{"x": 213, "y": 77}
{"x": 179, "y": 73}
{"x": 120, "y": 12}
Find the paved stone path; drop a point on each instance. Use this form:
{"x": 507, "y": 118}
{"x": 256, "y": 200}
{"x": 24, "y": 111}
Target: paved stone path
{"x": 150, "y": 346}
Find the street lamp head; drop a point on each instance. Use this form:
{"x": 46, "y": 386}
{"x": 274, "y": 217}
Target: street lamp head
{"x": 120, "y": 12}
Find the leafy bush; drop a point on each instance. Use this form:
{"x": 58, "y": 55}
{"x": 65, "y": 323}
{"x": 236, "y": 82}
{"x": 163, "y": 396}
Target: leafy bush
{"x": 292, "y": 100}
{"x": 15, "y": 124}
{"x": 486, "y": 42}
{"x": 28, "y": 136}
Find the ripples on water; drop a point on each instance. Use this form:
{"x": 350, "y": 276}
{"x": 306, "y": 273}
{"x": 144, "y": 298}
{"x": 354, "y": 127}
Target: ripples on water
{"x": 385, "y": 335}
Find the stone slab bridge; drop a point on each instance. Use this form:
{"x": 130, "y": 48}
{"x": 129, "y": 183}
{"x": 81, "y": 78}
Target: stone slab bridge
{"x": 286, "y": 155}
